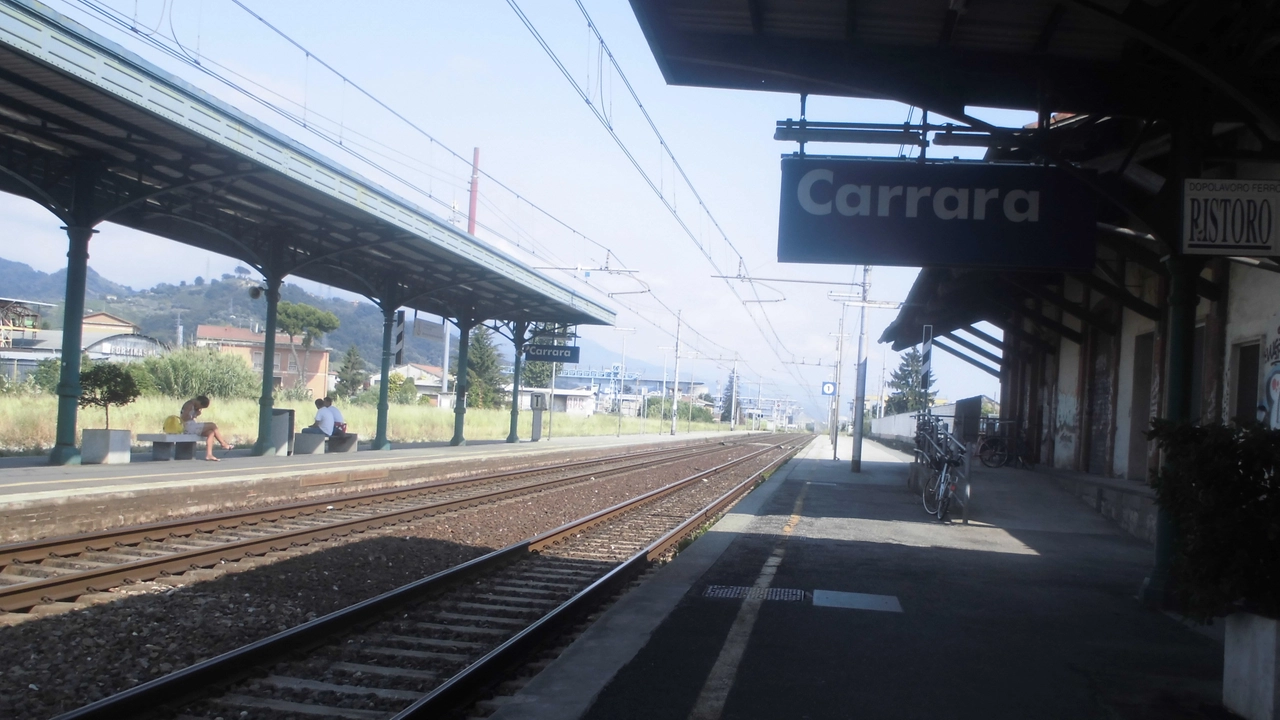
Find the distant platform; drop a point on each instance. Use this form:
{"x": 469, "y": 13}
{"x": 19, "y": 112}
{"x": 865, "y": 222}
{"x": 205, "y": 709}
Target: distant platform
{"x": 40, "y": 500}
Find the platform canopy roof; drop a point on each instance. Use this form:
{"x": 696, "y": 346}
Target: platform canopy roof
{"x": 1118, "y": 57}
{"x": 94, "y": 133}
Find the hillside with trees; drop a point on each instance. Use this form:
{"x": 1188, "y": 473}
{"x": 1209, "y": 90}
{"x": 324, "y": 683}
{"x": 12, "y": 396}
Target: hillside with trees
{"x": 217, "y": 301}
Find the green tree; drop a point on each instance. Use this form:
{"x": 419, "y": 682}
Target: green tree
{"x": 658, "y": 407}
{"x": 46, "y": 375}
{"x": 202, "y": 371}
{"x": 106, "y": 384}
{"x": 351, "y": 374}
{"x": 484, "y": 371}
{"x": 401, "y": 390}
{"x": 909, "y": 394}
{"x": 311, "y": 323}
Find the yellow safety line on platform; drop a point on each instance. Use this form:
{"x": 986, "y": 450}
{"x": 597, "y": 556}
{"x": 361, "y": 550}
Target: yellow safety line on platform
{"x": 715, "y": 691}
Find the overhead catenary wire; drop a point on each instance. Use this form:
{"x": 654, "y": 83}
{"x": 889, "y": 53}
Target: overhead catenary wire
{"x": 342, "y": 135}
{"x": 774, "y": 343}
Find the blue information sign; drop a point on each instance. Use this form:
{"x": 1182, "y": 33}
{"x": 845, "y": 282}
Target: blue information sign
{"x": 828, "y": 388}
{"x": 857, "y": 211}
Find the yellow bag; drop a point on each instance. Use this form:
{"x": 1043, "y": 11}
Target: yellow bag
{"x": 173, "y": 425}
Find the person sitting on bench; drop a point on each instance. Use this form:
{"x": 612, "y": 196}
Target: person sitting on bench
{"x": 209, "y": 431}
{"x": 339, "y": 422}
{"x": 324, "y": 421}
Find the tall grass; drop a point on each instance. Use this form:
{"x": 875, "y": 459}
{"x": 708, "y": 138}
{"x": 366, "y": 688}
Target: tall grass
{"x": 27, "y": 422}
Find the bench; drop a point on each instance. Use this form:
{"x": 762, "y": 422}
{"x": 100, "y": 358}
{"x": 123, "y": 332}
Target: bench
{"x": 316, "y": 444}
{"x": 172, "y": 447}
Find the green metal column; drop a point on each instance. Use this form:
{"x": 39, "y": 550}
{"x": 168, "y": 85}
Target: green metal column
{"x": 265, "y": 445}
{"x": 65, "y": 451}
{"x": 388, "y": 322}
{"x": 518, "y": 339}
{"x": 1183, "y": 298}
{"x": 1189, "y": 135}
{"x": 462, "y": 384}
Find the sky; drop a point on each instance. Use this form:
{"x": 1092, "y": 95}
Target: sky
{"x": 470, "y": 74}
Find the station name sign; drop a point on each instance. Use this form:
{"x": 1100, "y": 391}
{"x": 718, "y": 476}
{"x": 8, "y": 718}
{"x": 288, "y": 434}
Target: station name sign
{"x": 960, "y": 214}
{"x": 1230, "y": 217}
{"x": 552, "y": 353}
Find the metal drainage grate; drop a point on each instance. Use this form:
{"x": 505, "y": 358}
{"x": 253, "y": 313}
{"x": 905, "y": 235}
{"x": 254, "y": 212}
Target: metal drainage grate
{"x": 734, "y": 592}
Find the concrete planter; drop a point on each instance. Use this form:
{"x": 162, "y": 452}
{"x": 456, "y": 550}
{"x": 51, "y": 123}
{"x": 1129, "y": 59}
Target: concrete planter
{"x": 1251, "y": 673}
{"x": 105, "y": 447}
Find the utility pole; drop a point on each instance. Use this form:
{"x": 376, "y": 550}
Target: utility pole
{"x": 675, "y": 390}
{"x": 860, "y": 394}
{"x": 622, "y": 374}
{"x": 475, "y": 180}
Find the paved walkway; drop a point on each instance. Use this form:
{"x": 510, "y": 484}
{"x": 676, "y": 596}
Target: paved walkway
{"x": 861, "y": 606}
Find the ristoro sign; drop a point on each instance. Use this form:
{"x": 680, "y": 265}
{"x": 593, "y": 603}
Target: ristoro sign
{"x": 904, "y": 212}
{"x": 552, "y": 353}
{"x": 1231, "y": 217}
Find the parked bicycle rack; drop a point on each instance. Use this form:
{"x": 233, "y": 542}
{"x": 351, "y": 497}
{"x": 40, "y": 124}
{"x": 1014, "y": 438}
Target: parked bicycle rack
{"x": 938, "y": 450}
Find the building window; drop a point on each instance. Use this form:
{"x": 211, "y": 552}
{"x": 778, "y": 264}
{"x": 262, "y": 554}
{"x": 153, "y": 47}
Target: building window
{"x": 1244, "y": 396}
{"x": 293, "y": 365}
{"x": 257, "y": 360}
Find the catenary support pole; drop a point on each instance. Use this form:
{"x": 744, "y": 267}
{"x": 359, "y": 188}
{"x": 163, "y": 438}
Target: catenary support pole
{"x": 622, "y": 382}
{"x": 860, "y": 385}
{"x": 835, "y": 400}
{"x": 461, "y": 384}
{"x": 475, "y": 191}
{"x": 675, "y": 386}
{"x": 265, "y": 445}
{"x": 733, "y": 399}
{"x": 518, "y": 339}
{"x": 65, "y": 451}
{"x": 551, "y": 401}
{"x": 380, "y": 441}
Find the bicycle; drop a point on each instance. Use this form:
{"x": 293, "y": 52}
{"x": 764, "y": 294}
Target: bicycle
{"x": 943, "y": 454}
{"x": 994, "y": 451}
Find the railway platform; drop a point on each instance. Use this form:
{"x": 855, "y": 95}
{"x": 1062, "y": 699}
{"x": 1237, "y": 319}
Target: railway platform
{"x": 41, "y": 500}
{"x": 857, "y": 604}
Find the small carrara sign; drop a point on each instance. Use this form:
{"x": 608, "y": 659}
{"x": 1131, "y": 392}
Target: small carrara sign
{"x": 828, "y": 388}
{"x": 1230, "y": 217}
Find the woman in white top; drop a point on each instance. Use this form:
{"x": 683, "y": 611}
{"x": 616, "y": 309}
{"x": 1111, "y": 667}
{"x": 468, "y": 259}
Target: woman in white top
{"x": 209, "y": 431}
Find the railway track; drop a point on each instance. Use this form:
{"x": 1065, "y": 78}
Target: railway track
{"x": 435, "y": 645}
{"x": 60, "y": 569}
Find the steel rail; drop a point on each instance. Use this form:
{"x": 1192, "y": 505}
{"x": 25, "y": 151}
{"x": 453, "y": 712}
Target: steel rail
{"x": 195, "y": 680}
{"x": 62, "y": 546}
{"x": 470, "y": 682}
{"x": 30, "y": 594}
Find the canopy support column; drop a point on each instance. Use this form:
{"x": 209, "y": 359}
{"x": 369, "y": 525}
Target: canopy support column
{"x": 1188, "y": 136}
{"x": 380, "y": 441}
{"x": 463, "y": 383}
{"x": 518, "y": 340}
{"x": 65, "y": 451}
{"x": 265, "y": 445}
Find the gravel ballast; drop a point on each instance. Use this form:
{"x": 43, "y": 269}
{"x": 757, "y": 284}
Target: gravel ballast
{"x": 63, "y": 661}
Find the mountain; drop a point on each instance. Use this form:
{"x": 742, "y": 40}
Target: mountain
{"x": 21, "y": 281}
{"x": 226, "y": 301}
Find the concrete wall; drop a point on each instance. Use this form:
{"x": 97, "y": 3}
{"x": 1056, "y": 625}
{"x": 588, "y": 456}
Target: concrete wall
{"x": 1253, "y": 300}
{"x": 902, "y": 427}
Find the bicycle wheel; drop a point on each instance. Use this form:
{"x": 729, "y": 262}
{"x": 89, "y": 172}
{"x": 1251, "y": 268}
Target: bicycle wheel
{"x": 994, "y": 452}
{"x": 930, "y": 493}
{"x": 944, "y": 496}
